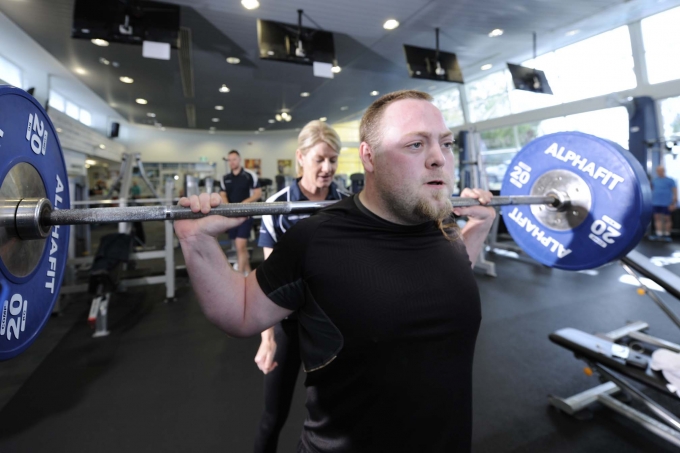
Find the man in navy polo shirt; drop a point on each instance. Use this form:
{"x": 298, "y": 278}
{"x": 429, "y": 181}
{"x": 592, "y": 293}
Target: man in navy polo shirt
{"x": 240, "y": 186}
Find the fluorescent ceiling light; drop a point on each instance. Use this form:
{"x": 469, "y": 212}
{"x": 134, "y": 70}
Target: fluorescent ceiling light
{"x": 261, "y": 129}
{"x": 126, "y": 79}
{"x": 224, "y": 89}
{"x": 102, "y": 146}
{"x": 90, "y": 162}
{"x": 100, "y": 42}
{"x": 233, "y": 60}
{"x": 375, "y": 93}
{"x": 141, "y": 101}
{"x": 103, "y": 60}
{"x": 250, "y": 4}
{"x": 336, "y": 69}
{"x": 390, "y": 24}
{"x": 215, "y": 120}
{"x": 80, "y": 71}
{"x": 219, "y": 107}
{"x": 272, "y": 121}
{"x": 304, "y": 94}
{"x": 486, "y": 67}
{"x": 495, "y": 33}
{"x": 323, "y": 118}
{"x": 572, "y": 32}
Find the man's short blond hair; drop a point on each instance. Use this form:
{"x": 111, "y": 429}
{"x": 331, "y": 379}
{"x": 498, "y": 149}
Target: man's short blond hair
{"x": 312, "y": 134}
{"x": 369, "y": 129}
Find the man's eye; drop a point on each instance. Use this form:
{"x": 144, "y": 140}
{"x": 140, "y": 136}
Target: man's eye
{"x": 416, "y": 145}
{"x": 448, "y": 145}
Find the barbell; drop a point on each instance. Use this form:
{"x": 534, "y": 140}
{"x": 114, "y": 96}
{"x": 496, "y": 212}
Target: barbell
{"x": 570, "y": 200}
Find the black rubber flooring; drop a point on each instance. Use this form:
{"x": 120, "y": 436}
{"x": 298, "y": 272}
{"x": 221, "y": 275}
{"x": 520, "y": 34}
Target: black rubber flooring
{"x": 166, "y": 380}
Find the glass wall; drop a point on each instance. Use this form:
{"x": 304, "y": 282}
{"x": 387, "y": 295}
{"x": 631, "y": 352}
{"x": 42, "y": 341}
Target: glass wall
{"x": 593, "y": 67}
{"x": 499, "y": 146}
{"x": 449, "y": 103}
{"x": 670, "y": 117}
{"x": 662, "y": 41}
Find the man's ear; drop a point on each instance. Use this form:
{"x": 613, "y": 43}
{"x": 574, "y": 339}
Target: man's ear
{"x": 367, "y": 156}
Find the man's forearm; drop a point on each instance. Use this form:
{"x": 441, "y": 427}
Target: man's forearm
{"x": 474, "y": 234}
{"x": 220, "y": 290}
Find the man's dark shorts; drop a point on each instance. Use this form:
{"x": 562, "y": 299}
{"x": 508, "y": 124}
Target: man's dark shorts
{"x": 662, "y": 210}
{"x": 241, "y": 231}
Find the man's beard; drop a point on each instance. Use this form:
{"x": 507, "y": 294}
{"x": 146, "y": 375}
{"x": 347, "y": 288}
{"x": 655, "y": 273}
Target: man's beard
{"x": 413, "y": 209}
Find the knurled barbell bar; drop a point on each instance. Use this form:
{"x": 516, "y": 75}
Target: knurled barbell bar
{"x": 570, "y": 200}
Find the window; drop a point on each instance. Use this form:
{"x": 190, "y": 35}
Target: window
{"x": 499, "y": 146}
{"x": 670, "y": 115}
{"x": 449, "y": 104}
{"x": 85, "y": 117}
{"x": 661, "y": 41}
{"x": 593, "y": 67}
{"x": 72, "y": 110}
{"x": 56, "y": 101}
{"x": 10, "y": 73}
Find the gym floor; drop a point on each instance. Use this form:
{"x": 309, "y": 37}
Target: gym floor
{"x": 166, "y": 380}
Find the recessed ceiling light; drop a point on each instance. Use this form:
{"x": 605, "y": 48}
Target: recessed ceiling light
{"x": 343, "y": 108}
{"x": 224, "y": 89}
{"x": 323, "y": 118}
{"x": 102, "y": 146}
{"x": 90, "y": 162}
{"x": 103, "y": 60}
{"x": 141, "y": 101}
{"x": 151, "y": 115}
{"x": 126, "y": 79}
{"x": 495, "y": 33}
{"x": 100, "y": 42}
{"x": 278, "y": 117}
{"x": 486, "y": 67}
{"x": 215, "y": 120}
{"x": 219, "y": 107}
{"x": 270, "y": 52}
{"x": 390, "y": 24}
{"x": 261, "y": 129}
{"x": 80, "y": 71}
{"x": 572, "y": 32}
{"x": 375, "y": 93}
{"x": 304, "y": 94}
{"x": 250, "y": 4}
{"x": 233, "y": 60}
{"x": 272, "y": 121}
{"x": 336, "y": 69}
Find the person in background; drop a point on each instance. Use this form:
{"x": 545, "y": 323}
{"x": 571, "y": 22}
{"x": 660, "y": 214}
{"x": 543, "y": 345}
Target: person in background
{"x": 316, "y": 160}
{"x": 135, "y": 190}
{"x": 240, "y": 186}
{"x": 664, "y": 201}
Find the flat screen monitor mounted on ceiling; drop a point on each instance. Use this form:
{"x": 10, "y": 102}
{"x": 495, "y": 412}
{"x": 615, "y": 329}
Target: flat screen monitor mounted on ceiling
{"x": 529, "y": 79}
{"x": 126, "y": 21}
{"x": 294, "y": 43}
{"x": 432, "y": 64}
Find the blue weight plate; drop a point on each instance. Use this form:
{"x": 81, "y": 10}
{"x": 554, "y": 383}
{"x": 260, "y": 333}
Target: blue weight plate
{"x": 611, "y": 194}
{"x": 31, "y": 163}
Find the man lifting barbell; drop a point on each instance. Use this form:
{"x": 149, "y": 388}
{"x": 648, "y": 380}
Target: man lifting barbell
{"x": 389, "y": 329}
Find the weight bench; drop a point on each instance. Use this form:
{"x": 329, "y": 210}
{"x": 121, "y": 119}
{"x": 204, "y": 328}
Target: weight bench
{"x": 113, "y": 252}
{"x": 616, "y": 362}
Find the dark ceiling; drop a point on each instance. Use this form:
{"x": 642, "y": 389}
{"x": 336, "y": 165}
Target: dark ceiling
{"x": 371, "y": 57}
